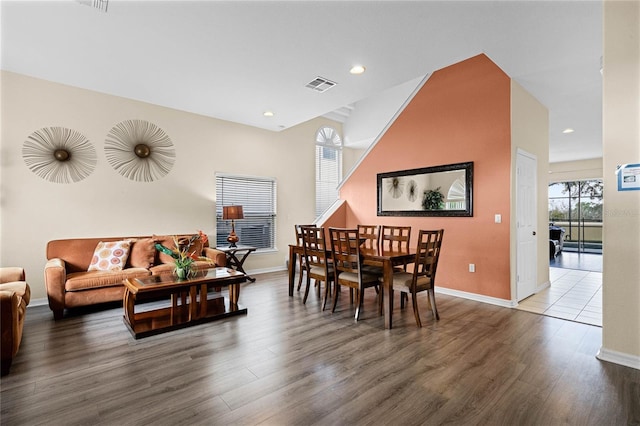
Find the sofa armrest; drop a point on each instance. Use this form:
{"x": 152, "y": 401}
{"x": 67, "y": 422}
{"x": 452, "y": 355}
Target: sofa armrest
{"x": 11, "y": 273}
{"x": 14, "y": 298}
{"x": 218, "y": 257}
{"x": 55, "y": 277}
{"x": 10, "y": 323}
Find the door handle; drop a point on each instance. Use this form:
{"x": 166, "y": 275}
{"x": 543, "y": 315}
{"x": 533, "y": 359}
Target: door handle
{"x": 534, "y": 232}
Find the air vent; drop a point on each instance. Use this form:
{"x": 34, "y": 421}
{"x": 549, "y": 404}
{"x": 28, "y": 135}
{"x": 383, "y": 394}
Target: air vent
{"x": 102, "y": 5}
{"x": 321, "y": 84}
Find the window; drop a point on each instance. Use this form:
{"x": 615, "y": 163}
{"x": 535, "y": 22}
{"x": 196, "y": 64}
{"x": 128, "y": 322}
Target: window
{"x": 257, "y": 196}
{"x": 576, "y": 206}
{"x": 328, "y": 167}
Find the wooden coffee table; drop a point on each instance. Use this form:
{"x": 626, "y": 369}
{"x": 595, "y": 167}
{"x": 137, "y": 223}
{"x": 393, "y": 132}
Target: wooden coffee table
{"x": 190, "y": 302}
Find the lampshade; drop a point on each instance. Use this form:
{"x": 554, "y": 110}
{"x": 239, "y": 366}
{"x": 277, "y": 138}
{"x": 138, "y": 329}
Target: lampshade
{"x": 232, "y": 212}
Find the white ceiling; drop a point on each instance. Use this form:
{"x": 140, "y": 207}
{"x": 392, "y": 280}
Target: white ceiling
{"x": 234, "y": 60}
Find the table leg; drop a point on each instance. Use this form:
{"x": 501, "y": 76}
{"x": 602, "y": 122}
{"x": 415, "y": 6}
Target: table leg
{"x": 234, "y": 294}
{"x": 203, "y": 301}
{"x": 174, "y": 306}
{"x": 237, "y": 263}
{"x": 129, "y": 303}
{"x": 193, "y": 306}
{"x": 292, "y": 269}
{"x": 387, "y": 295}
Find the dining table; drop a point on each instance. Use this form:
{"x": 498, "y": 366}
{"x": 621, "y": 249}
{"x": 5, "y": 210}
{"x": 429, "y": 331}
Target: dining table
{"x": 379, "y": 256}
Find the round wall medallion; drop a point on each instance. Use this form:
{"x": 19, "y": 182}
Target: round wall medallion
{"x": 59, "y": 155}
{"x": 139, "y": 150}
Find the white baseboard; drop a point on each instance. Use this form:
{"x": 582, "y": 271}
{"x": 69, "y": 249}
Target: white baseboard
{"x": 621, "y": 358}
{"x": 253, "y": 272}
{"x": 477, "y": 297}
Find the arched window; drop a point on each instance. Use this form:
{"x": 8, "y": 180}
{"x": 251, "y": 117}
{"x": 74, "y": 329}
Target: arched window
{"x": 456, "y": 196}
{"x": 328, "y": 167}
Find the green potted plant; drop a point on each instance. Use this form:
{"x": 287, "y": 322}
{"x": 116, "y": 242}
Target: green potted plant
{"x": 433, "y": 199}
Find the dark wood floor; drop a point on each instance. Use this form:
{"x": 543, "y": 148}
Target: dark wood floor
{"x": 290, "y": 364}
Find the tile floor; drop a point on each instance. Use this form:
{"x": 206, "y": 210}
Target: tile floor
{"x": 573, "y": 295}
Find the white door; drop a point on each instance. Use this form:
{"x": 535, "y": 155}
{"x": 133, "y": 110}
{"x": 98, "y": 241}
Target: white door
{"x": 526, "y": 220}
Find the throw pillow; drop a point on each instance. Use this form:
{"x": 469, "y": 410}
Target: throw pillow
{"x": 143, "y": 253}
{"x": 110, "y": 256}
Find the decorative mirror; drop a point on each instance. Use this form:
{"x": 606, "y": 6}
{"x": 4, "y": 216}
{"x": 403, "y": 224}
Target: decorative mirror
{"x": 431, "y": 191}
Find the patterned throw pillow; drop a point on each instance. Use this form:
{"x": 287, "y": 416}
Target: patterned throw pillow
{"x": 110, "y": 256}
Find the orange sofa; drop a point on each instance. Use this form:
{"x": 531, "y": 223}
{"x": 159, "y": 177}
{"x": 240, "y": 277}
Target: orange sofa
{"x": 70, "y": 284}
{"x": 14, "y": 298}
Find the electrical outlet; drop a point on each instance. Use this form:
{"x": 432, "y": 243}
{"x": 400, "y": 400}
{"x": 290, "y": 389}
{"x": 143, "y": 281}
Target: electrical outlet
{"x": 498, "y": 218}
{"x": 472, "y": 267}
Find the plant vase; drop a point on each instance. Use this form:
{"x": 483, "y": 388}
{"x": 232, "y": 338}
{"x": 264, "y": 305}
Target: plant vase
{"x": 183, "y": 272}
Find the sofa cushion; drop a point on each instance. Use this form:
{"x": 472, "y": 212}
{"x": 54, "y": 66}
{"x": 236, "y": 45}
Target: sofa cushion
{"x": 142, "y": 254}
{"x": 98, "y": 279}
{"x": 167, "y": 241}
{"x": 110, "y": 256}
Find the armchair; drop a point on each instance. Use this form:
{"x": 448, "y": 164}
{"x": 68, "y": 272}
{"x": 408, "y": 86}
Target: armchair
{"x": 15, "y": 295}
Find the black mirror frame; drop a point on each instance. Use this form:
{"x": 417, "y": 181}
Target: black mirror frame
{"x": 466, "y": 212}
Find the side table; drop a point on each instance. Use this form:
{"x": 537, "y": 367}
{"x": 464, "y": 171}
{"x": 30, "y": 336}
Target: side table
{"x": 232, "y": 257}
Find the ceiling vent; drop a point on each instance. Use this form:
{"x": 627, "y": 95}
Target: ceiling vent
{"x": 102, "y": 5}
{"x": 320, "y": 84}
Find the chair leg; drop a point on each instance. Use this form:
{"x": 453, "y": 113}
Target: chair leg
{"x": 301, "y": 271}
{"x": 327, "y": 292}
{"x": 360, "y": 295}
{"x": 403, "y": 299}
{"x": 335, "y": 297}
{"x": 416, "y": 313}
{"x": 306, "y": 290}
{"x": 434, "y": 309}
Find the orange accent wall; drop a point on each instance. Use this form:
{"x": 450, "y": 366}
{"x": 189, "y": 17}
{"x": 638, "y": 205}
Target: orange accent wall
{"x": 462, "y": 113}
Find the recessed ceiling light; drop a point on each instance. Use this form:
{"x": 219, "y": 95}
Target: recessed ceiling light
{"x": 357, "y": 69}
{"x": 568, "y": 130}
{"x": 268, "y": 114}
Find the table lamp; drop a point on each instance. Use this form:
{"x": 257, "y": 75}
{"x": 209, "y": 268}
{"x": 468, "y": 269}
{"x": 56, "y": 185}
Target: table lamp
{"x": 232, "y": 212}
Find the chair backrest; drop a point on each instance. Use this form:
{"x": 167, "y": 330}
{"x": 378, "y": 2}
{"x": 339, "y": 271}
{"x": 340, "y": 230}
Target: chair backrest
{"x": 370, "y": 234}
{"x": 345, "y": 249}
{"x": 395, "y": 237}
{"x": 427, "y": 255}
{"x": 314, "y": 246}
{"x": 298, "y": 229}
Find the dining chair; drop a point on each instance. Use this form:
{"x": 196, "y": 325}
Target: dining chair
{"x": 317, "y": 264}
{"x": 370, "y": 239}
{"x": 345, "y": 248}
{"x": 396, "y": 238}
{"x": 301, "y": 261}
{"x": 369, "y": 235}
{"x": 424, "y": 273}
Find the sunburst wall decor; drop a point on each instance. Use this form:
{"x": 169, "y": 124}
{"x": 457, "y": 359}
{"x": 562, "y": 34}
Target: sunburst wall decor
{"x": 412, "y": 190}
{"x": 59, "y": 155}
{"x": 396, "y": 187}
{"x": 139, "y": 150}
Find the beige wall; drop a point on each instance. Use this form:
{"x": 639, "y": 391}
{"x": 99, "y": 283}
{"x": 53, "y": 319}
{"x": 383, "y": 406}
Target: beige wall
{"x": 575, "y": 170}
{"x": 34, "y": 211}
{"x": 530, "y": 132}
{"x": 621, "y": 145}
